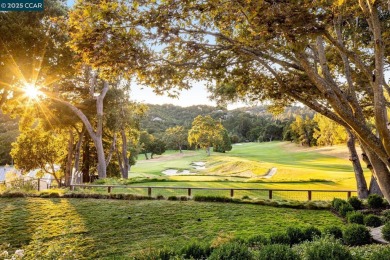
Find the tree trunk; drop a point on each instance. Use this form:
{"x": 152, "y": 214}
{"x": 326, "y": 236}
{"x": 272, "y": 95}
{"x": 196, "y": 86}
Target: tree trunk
{"x": 112, "y": 149}
{"x": 126, "y": 166}
{"x": 101, "y": 167}
{"x": 86, "y": 161}
{"x": 361, "y": 183}
{"x": 374, "y": 187}
{"x": 380, "y": 171}
{"x": 146, "y": 156}
{"x": 208, "y": 150}
{"x": 68, "y": 169}
{"x": 77, "y": 174}
{"x": 180, "y": 149}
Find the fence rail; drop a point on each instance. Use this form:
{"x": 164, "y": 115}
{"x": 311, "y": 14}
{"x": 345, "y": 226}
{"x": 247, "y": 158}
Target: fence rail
{"x": 268, "y": 193}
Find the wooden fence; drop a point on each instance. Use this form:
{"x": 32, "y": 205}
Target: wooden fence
{"x": 190, "y": 190}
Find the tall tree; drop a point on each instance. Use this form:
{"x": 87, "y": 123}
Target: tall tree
{"x": 205, "y": 132}
{"x": 176, "y": 137}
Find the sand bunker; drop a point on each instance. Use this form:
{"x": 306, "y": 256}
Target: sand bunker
{"x": 270, "y": 173}
{"x": 173, "y": 172}
{"x": 199, "y": 165}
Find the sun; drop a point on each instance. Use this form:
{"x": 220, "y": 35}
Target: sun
{"x": 32, "y": 91}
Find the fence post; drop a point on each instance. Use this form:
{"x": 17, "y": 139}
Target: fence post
{"x": 149, "y": 191}
{"x": 348, "y": 194}
{"x": 232, "y": 193}
{"x": 189, "y": 192}
{"x": 39, "y": 184}
{"x": 270, "y": 194}
{"x": 309, "y": 194}
{"x": 109, "y": 189}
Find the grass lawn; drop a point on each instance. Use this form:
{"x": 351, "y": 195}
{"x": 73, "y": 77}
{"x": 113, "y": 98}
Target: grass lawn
{"x": 297, "y": 167}
{"x": 101, "y": 228}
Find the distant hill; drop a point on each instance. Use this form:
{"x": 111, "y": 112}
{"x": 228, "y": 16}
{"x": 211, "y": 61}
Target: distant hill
{"x": 238, "y": 121}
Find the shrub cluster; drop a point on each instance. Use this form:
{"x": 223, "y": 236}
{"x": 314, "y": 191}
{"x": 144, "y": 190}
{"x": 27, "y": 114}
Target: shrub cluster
{"x": 356, "y": 235}
{"x": 355, "y": 202}
{"x": 386, "y": 231}
{"x": 212, "y": 198}
{"x": 231, "y": 251}
{"x": 375, "y": 201}
{"x": 277, "y": 252}
{"x": 334, "y": 231}
{"x": 324, "y": 248}
{"x": 372, "y": 220}
{"x": 355, "y": 218}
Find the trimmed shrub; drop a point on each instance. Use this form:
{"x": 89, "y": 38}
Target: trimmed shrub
{"x": 356, "y": 235}
{"x": 279, "y": 238}
{"x": 344, "y": 209}
{"x": 355, "y": 218}
{"x": 277, "y": 252}
{"x": 386, "y": 231}
{"x": 355, "y": 202}
{"x": 375, "y": 201}
{"x": 13, "y": 194}
{"x": 336, "y": 203}
{"x": 386, "y": 216}
{"x": 231, "y": 251}
{"x": 183, "y": 198}
{"x": 295, "y": 235}
{"x": 334, "y": 231}
{"x": 257, "y": 240}
{"x": 380, "y": 254}
{"x": 311, "y": 233}
{"x": 195, "y": 251}
{"x": 160, "y": 197}
{"x": 159, "y": 254}
{"x": 324, "y": 248}
{"x": 372, "y": 220}
{"x": 173, "y": 198}
{"x": 212, "y": 198}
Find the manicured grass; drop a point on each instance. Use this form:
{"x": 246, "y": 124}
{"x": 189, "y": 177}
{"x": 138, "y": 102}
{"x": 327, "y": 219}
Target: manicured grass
{"x": 102, "y": 228}
{"x": 296, "y": 167}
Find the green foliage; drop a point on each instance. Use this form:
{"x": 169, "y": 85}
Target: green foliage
{"x": 206, "y": 132}
{"x": 158, "y": 254}
{"x": 344, "y": 209}
{"x": 279, "y": 238}
{"x": 311, "y": 233}
{"x": 336, "y": 203}
{"x": 386, "y": 215}
{"x": 386, "y": 231}
{"x": 324, "y": 248}
{"x": 355, "y": 217}
{"x": 277, "y": 252}
{"x": 295, "y": 235}
{"x": 328, "y": 132}
{"x": 231, "y": 251}
{"x": 372, "y": 220}
{"x": 195, "y": 250}
{"x": 382, "y": 253}
{"x": 176, "y": 137}
{"x": 223, "y": 145}
{"x": 334, "y": 231}
{"x": 258, "y": 240}
{"x": 212, "y": 198}
{"x": 302, "y": 131}
{"x": 355, "y": 202}
{"x": 375, "y": 201}
{"x": 36, "y": 148}
{"x": 356, "y": 235}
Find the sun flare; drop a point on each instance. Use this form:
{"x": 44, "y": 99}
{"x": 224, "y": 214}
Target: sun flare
{"x": 32, "y": 91}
